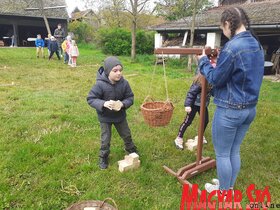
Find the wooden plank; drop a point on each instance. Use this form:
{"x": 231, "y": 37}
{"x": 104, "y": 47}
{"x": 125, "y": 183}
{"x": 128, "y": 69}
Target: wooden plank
{"x": 185, "y": 51}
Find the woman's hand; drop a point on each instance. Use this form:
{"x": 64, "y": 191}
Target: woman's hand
{"x": 202, "y": 55}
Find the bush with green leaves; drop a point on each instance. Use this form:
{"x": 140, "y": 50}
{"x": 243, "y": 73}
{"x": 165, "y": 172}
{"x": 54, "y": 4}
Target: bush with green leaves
{"x": 144, "y": 42}
{"x": 117, "y": 41}
{"x": 83, "y": 31}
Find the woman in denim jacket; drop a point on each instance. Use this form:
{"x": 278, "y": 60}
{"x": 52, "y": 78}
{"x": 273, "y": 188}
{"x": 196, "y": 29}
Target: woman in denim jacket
{"x": 236, "y": 83}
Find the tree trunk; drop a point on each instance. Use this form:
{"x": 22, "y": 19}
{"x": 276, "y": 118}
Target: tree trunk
{"x": 192, "y": 34}
{"x": 133, "y": 40}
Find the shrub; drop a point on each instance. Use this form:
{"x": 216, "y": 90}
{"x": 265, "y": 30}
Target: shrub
{"x": 144, "y": 42}
{"x": 117, "y": 41}
{"x": 83, "y": 31}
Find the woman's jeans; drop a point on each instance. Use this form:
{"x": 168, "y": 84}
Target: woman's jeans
{"x": 228, "y": 131}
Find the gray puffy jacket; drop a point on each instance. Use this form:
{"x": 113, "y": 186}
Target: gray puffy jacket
{"x": 103, "y": 91}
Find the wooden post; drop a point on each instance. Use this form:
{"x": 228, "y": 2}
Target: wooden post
{"x": 202, "y": 163}
{"x": 201, "y": 120}
{"x": 44, "y": 16}
{"x": 15, "y": 33}
{"x": 42, "y": 10}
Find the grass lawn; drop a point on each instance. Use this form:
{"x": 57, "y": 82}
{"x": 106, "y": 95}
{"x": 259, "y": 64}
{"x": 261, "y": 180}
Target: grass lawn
{"x": 49, "y": 137}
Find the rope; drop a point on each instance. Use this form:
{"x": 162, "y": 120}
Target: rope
{"x": 112, "y": 200}
{"x": 165, "y": 80}
{"x": 150, "y": 86}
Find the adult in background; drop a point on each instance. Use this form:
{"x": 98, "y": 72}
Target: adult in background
{"x": 13, "y": 41}
{"x": 236, "y": 82}
{"x": 59, "y": 35}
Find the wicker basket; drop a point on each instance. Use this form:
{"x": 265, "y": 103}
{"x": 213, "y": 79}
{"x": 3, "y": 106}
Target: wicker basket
{"x": 92, "y": 204}
{"x": 157, "y": 113}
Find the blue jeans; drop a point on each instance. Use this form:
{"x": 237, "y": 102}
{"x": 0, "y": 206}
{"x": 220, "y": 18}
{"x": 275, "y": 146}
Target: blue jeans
{"x": 66, "y": 57}
{"x": 228, "y": 131}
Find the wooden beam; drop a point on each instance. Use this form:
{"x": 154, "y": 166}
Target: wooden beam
{"x": 47, "y": 23}
{"x": 185, "y": 51}
{"x": 45, "y": 8}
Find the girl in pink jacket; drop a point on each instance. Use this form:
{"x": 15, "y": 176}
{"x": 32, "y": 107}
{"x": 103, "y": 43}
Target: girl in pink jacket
{"x": 73, "y": 53}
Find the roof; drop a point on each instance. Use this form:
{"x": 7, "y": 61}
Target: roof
{"x": 80, "y": 14}
{"x": 18, "y": 8}
{"x": 260, "y": 13}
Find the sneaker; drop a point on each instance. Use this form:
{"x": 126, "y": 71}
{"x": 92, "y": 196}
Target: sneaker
{"x": 211, "y": 187}
{"x": 179, "y": 143}
{"x": 204, "y": 139}
{"x": 103, "y": 163}
{"x": 132, "y": 150}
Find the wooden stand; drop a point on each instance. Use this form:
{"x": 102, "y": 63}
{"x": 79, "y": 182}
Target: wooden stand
{"x": 202, "y": 163}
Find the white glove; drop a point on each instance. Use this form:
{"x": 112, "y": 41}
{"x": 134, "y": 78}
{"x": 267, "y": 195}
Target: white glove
{"x": 188, "y": 109}
{"x": 109, "y": 104}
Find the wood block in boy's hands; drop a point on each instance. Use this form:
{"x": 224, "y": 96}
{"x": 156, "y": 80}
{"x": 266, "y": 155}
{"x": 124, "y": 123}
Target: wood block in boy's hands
{"x": 116, "y": 105}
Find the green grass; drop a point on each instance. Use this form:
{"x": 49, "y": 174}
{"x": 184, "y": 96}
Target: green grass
{"x": 49, "y": 137}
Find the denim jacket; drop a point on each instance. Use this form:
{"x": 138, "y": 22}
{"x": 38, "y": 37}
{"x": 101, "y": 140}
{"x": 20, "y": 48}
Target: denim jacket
{"x": 238, "y": 75}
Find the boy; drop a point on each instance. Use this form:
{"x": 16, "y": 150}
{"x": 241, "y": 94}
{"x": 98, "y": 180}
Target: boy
{"x": 39, "y": 42}
{"x": 53, "y": 48}
{"x": 111, "y": 96}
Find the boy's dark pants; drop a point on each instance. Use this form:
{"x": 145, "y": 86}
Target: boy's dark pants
{"x": 57, "y": 54}
{"x": 106, "y": 133}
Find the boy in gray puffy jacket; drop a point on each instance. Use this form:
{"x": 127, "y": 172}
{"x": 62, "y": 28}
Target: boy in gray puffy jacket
{"x": 111, "y": 96}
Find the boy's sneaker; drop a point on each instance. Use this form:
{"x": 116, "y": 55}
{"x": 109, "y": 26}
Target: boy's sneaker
{"x": 204, "y": 139}
{"x": 132, "y": 150}
{"x": 179, "y": 143}
{"x": 103, "y": 163}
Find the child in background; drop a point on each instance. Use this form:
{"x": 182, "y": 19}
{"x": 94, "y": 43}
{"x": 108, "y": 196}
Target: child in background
{"x": 65, "y": 47}
{"x": 111, "y": 96}
{"x": 39, "y": 42}
{"x": 53, "y": 47}
{"x": 73, "y": 53}
{"x": 192, "y": 106}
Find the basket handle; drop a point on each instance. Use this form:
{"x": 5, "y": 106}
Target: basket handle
{"x": 112, "y": 200}
{"x": 167, "y": 102}
{"x": 148, "y": 97}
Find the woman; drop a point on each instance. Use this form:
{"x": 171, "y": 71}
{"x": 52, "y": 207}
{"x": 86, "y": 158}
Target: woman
{"x": 236, "y": 82}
